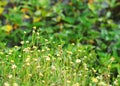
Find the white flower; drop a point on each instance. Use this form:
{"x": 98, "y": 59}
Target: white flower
{"x": 34, "y": 27}
{"x": 28, "y": 64}
{"x": 95, "y": 80}
{"x": 112, "y": 59}
{"x": 68, "y": 81}
{"x": 22, "y": 42}
{"x": 40, "y": 74}
{"x": 27, "y": 59}
{"x": 27, "y": 42}
{"x": 34, "y": 47}
{"x": 15, "y": 84}
{"x": 47, "y": 58}
{"x": 13, "y": 66}
{"x": 76, "y": 84}
{"x": 38, "y": 33}
{"x": 53, "y": 67}
{"x": 69, "y": 52}
{"x": 102, "y": 84}
{"x": 10, "y": 76}
{"x": 6, "y": 84}
{"x": 78, "y": 60}
{"x": 19, "y": 56}
{"x": 24, "y": 32}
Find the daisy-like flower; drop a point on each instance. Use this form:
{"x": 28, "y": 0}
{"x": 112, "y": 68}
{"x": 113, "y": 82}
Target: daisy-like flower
{"x": 78, "y": 60}
{"x": 76, "y": 84}
{"x": 15, "y": 84}
{"x": 47, "y": 58}
{"x": 28, "y": 64}
{"x": 13, "y": 66}
{"x": 38, "y": 66}
{"x": 69, "y": 52}
{"x": 27, "y": 42}
{"x": 102, "y": 83}
{"x": 19, "y": 56}
{"x": 38, "y": 33}
{"x": 30, "y": 75}
{"x": 6, "y": 84}
{"x": 34, "y": 47}
{"x": 12, "y": 61}
{"x": 116, "y": 82}
{"x": 35, "y": 59}
{"x": 34, "y": 27}
{"x": 95, "y": 80}
{"x": 33, "y": 31}
{"x": 24, "y": 32}
{"x": 112, "y": 59}
{"x": 26, "y": 49}
{"x": 40, "y": 74}
{"x": 22, "y": 42}
{"x": 27, "y": 59}
{"x": 53, "y": 67}
{"x": 10, "y": 76}
{"x": 68, "y": 81}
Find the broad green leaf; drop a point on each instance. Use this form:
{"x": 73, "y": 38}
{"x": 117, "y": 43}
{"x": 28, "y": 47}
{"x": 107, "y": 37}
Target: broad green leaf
{"x": 91, "y": 7}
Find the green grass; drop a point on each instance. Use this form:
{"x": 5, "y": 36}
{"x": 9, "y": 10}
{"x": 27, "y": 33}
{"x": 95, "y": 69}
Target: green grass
{"x": 45, "y": 62}
{"x": 72, "y": 44}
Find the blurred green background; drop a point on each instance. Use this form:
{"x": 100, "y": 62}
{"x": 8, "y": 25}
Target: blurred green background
{"x": 90, "y": 22}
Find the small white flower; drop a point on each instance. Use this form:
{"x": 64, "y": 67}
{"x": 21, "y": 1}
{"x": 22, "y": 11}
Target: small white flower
{"x": 38, "y": 50}
{"x": 116, "y": 82}
{"x": 38, "y": 66}
{"x": 38, "y": 33}
{"x": 46, "y": 40}
{"x": 28, "y": 64}
{"x": 15, "y": 84}
{"x": 6, "y": 84}
{"x": 34, "y": 27}
{"x": 53, "y": 67}
{"x": 40, "y": 74}
{"x": 43, "y": 81}
{"x": 12, "y": 61}
{"x": 95, "y": 80}
{"x": 13, "y": 66}
{"x": 27, "y": 59}
{"x": 73, "y": 43}
{"x": 26, "y": 49}
{"x": 30, "y": 75}
{"x": 33, "y": 31}
{"x": 24, "y": 32}
{"x": 27, "y": 42}
{"x": 78, "y": 60}
{"x": 34, "y": 47}
{"x": 10, "y": 76}
{"x": 22, "y": 42}
{"x": 68, "y": 81}
{"x": 85, "y": 57}
{"x": 35, "y": 59}
{"x": 76, "y": 84}
{"x": 19, "y": 56}
{"x": 102, "y": 84}
{"x": 47, "y": 58}
{"x": 112, "y": 59}
{"x": 69, "y": 52}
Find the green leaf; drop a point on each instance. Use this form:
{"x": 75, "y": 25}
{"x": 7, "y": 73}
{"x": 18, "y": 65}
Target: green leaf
{"x": 92, "y": 7}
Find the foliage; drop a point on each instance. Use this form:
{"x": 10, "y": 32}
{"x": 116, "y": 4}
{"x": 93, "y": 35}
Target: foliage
{"x": 93, "y": 25}
{"x": 47, "y": 62}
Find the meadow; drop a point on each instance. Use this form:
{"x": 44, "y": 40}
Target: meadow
{"x": 62, "y": 43}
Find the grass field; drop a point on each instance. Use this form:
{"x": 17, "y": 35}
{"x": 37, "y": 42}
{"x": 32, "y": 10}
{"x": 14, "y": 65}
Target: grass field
{"x": 53, "y": 63}
{"x": 62, "y": 43}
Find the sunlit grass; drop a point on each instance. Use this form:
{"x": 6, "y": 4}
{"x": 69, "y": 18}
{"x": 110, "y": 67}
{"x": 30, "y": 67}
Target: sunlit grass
{"x": 44, "y": 62}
